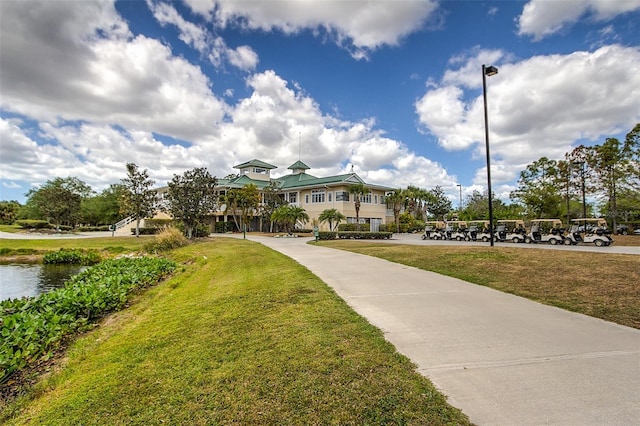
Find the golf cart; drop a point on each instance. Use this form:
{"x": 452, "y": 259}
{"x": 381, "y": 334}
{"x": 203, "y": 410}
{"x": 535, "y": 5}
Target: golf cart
{"x": 511, "y": 230}
{"x": 478, "y": 231}
{"x": 434, "y": 230}
{"x": 456, "y": 230}
{"x": 589, "y": 231}
{"x": 545, "y": 231}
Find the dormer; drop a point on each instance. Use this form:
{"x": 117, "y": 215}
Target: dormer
{"x": 256, "y": 169}
{"x": 298, "y": 167}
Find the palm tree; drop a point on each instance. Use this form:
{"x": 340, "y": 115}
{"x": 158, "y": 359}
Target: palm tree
{"x": 395, "y": 200}
{"x": 358, "y": 190}
{"x": 289, "y": 215}
{"x": 331, "y": 216}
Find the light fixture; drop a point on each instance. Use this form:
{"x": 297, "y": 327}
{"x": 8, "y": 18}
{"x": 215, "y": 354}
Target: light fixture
{"x": 488, "y": 71}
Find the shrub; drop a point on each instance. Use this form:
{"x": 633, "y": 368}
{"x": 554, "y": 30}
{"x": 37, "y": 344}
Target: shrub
{"x": 33, "y": 224}
{"x": 353, "y": 227}
{"x": 364, "y": 235}
{"x": 94, "y": 228}
{"x": 224, "y": 227}
{"x": 326, "y": 235}
{"x": 146, "y": 231}
{"x": 354, "y": 235}
{"x": 168, "y": 239}
{"x": 71, "y": 257}
{"x": 158, "y": 223}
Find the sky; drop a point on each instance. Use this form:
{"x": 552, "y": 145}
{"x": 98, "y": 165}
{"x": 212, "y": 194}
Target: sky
{"x": 389, "y": 89}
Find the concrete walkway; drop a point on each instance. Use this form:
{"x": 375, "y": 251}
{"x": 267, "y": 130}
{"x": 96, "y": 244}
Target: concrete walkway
{"x": 502, "y": 359}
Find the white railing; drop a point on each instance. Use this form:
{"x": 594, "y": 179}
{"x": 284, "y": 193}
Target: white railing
{"x": 124, "y": 222}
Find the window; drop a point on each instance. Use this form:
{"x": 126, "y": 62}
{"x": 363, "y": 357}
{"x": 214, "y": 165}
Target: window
{"x": 260, "y": 171}
{"x": 375, "y": 199}
{"x": 342, "y": 196}
{"x": 293, "y": 197}
{"x": 306, "y": 198}
{"x": 317, "y": 196}
{"x": 366, "y": 199}
{"x": 330, "y": 194}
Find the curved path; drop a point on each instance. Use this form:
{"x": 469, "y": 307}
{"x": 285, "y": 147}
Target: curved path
{"x": 502, "y": 359}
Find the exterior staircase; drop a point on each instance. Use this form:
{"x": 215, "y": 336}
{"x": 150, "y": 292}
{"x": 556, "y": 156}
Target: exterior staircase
{"x": 123, "y": 228}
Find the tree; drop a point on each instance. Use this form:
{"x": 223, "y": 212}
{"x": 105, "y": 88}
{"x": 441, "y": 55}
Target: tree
{"x": 331, "y": 216}
{"x": 632, "y": 150}
{"x": 272, "y": 199}
{"x": 9, "y": 211}
{"x": 247, "y": 203}
{"x": 538, "y": 189}
{"x": 241, "y": 203}
{"x": 191, "y": 198}
{"x": 438, "y": 204}
{"x": 103, "y": 208}
{"x": 229, "y": 203}
{"x": 59, "y": 200}
{"x": 416, "y": 201}
{"x": 358, "y": 190}
{"x": 610, "y": 163}
{"x": 395, "y": 200}
{"x": 288, "y": 215}
{"x": 138, "y": 199}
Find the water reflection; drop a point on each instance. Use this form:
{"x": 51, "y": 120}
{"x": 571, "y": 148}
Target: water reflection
{"x": 20, "y": 280}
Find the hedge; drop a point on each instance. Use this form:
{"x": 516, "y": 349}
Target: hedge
{"x": 352, "y": 227}
{"x": 345, "y": 235}
{"x": 33, "y": 224}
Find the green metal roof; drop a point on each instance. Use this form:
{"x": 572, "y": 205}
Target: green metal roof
{"x": 256, "y": 163}
{"x": 298, "y": 165}
{"x": 303, "y": 179}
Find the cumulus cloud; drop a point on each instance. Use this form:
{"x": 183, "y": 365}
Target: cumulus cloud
{"x": 358, "y": 24}
{"x": 541, "y": 18}
{"x": 210, "y": 46}
{"x": 537, "y": 106}
{"x": 91, "y": 97}
{"x": 83, "y": 64}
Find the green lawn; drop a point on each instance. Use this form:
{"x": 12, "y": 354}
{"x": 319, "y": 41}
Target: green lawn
{"x": 10, "y": 248}
{"x": 241, "y": 335}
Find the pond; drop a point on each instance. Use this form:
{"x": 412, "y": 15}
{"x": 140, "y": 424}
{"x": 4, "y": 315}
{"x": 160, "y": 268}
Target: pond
{"x": 20, "y": 280}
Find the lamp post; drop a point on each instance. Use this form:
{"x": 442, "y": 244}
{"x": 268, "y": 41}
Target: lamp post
{"x": 460, "y": 203}
{"x": 488, "y": 71}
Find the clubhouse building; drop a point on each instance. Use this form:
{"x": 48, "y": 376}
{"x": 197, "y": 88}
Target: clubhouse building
{"x": 313, "y": 194}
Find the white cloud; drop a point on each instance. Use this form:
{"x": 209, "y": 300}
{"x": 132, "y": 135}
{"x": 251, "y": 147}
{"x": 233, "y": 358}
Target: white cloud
{"x": 541, "y": 18}
{"x": 214, "y": 48}
{"x": 364, "y": 25}
{"x": 89, "y": 68}
{"x": 243, "y": 57}
{"x": 100, "y": 97}
{"x": 537, "y": 107}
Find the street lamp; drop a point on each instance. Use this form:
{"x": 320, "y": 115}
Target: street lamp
{"x": 460, "y": 203}
{"x": 488, "y": 71}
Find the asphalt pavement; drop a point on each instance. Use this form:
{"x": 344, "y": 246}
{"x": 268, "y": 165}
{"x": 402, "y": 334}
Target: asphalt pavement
{"x": 501, "y": 359}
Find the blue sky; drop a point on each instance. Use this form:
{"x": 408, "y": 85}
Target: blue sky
{"x": 390, "y": 88}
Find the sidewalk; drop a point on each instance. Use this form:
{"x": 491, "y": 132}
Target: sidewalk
{"x": 502, "y": 359}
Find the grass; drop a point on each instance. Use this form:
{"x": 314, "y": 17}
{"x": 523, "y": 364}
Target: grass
{"x": 601, "y": 285}
{"x": 12, "y": 250}
{"x": 233, "y": 341}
